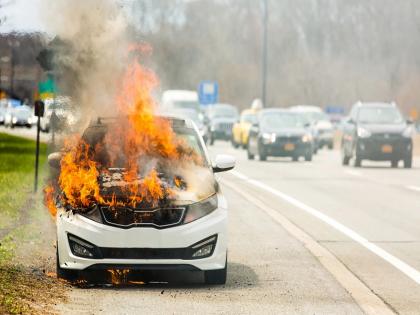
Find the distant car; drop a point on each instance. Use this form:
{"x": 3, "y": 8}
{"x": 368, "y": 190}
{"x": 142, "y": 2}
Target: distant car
{"x": 280, "y": 132}
{"x": 323, "y": 130}
{"x": 180, "y": 99}
{"x": 196, "y": 117}
{"x": 378, "y": 132}
{"x": 222, "y": 117}
{"x": 18, "y": 116}
{"x": 63, "y": 110}
{"x": 240, "y": 130}
{"x": 2, "y": 114}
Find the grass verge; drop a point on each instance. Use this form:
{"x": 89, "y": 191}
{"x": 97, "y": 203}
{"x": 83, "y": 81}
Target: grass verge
{"x": 25, "y": 253}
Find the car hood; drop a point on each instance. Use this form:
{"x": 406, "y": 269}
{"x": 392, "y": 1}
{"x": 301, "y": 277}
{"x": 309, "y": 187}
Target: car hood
{"x": 223, "y": 120}
{"x": 384, "y": 128}
{"x": 286, "y": 132}
{"x": 22, "y": 114}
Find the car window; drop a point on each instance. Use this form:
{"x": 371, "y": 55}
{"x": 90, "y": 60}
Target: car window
{"x": 223, "y": 111}
{"x": 379, "y": 115}
{"x": 249, "y": 118}
{"x": 281, "y": 120}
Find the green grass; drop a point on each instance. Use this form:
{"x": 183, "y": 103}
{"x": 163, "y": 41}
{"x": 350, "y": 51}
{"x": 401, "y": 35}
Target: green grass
{"x": 17, "y": 163}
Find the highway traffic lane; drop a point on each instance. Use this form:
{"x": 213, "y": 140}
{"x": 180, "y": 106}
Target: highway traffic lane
{"x": 269, "y": 273}
{"x": 352, "y": 200}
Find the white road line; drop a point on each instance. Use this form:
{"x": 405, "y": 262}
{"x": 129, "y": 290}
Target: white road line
{"x": 363, "y": 296}
{"x": 415, "y": 188}
{"x": 394, "y": 261}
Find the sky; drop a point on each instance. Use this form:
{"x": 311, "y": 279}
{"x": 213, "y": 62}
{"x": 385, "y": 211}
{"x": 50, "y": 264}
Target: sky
{"x": 21, "y": 16}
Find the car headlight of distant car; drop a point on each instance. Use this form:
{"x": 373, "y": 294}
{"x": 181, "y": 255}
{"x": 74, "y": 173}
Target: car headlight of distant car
{"x": 268, "y": 138}
{"x": 14, "y": 120}
{"x": 363, "y": 133}
{"x": 307, "y": 138}
{"x": 200, "y": 209}
{"x": 408, "y": 132}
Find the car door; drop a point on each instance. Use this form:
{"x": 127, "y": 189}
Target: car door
{"x": 253, "y": 138}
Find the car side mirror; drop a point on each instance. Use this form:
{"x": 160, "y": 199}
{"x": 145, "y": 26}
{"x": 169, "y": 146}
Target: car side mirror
{"x": 307, "y": 125}
{"x": 54, "y": 160}
{"x": 351, "y": 121}
{"x": 410, "y": 121}
{"x": 223, "y": 163}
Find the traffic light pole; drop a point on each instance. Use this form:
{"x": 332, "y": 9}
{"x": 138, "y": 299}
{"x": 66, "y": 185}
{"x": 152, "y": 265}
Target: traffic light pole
{"x": 38, "y": 127}
{"x": 264, "y": 52}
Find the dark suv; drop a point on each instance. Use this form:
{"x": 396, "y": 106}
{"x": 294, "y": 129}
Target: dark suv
{"x": 378, "y": 132}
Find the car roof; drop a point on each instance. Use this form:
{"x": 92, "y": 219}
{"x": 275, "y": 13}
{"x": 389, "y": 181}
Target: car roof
{"x": 306, "y": 108}
{"x": 176, "y": 121}
{"x": 375, "y": 104}
{"x": 274, "y": 110}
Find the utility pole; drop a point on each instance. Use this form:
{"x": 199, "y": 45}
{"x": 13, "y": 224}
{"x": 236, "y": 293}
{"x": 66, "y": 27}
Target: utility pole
{"x": 264, "y": 54}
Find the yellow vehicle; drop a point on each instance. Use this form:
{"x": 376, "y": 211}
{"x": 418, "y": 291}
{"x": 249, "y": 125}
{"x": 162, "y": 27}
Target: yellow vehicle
{"x": 240, "y": 130}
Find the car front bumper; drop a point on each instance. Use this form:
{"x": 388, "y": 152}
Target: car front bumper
{"x": 283, "y": 149}
{"x": 145, "y": 238}
{"x": 372, "y": 149}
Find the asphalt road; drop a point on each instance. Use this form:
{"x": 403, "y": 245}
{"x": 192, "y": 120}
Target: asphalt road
{"x": 305, "y": 238}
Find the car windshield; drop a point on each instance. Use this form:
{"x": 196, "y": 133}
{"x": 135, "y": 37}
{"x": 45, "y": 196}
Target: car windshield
{"x": 94, "y": 135}
{"x": 277, "y": 121}
{"x": 223, "y": 111}
{"x": 186, "y": 104}
{"x": 190, "y": 114}
{"x": 379, "y": 115}
{"x": 314, "y": 116}
{"x": 249, "y": 118}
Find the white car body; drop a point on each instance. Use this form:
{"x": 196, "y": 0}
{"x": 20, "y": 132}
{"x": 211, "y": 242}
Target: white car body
{"x": 324, "y": 129}
{"x": 149, "y": 238}
{"x": 171, "y": 98}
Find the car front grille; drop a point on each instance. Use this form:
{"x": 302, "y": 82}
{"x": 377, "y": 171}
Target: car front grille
{"x": 284, "y": 139}
{"x": 126, "y": 217}
{"x": 386, "y": 136}
{"x": 224, "y": 126}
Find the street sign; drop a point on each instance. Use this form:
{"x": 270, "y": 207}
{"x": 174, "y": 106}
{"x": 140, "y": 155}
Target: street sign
{"x": 208, "y": 92}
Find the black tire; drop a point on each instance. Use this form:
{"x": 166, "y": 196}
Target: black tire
{"x": 234, "y": 143}
{"x": 330, "y": 146}
{"x": 346, "y": 160}
{"x": 217, "y": 276}
{"x": 357, "y": 162}
{"x": 394, "y": 163}
{"x": 308, "y": 157}
{"x": 211, "y": 140}
{"x": 250, "y": 155}
{"x": 408, "y": 162}
{"x": 65, "y": 274}
{"x": 261, "y": 153}
{"x": 295, "y": 158}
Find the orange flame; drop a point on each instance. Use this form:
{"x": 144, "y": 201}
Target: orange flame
{"x": 138, "y": 135}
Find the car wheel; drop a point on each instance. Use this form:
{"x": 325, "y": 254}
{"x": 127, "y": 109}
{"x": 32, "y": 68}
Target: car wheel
{"x": 261, "y": 153}
{"x": 65, "y": 274}
{"x": 295, "y": 158}
{"x": 408, "y": 162}
{"x": 235, "y": 144}
{"x": 217, "y": 276}
{"x": 250, "y": 155}
{"x": 211, "y": 140}
{"x": 330, "y": 146}
{"x": 308, "y": 157}
{"x": 394, "y": 163}
{"x": 358, "y": 162}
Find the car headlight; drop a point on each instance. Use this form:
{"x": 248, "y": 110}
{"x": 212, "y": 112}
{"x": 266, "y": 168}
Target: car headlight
{"x": 408, "y": 132}
{"x": 269, "y": 138}
{"x": 93, "y": 214}
{"x": 14, "y": 120}
{"x": 200, "y": 209}
{"x": 363, "y": 133}
{"x": 307, "y": 138}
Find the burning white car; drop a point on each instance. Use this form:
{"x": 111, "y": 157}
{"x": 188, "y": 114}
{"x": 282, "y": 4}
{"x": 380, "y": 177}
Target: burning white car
{"x": 163, "y": 216}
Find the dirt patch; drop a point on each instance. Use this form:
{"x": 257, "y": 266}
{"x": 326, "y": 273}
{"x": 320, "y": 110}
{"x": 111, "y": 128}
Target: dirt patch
{"x": 28, "y": 291}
